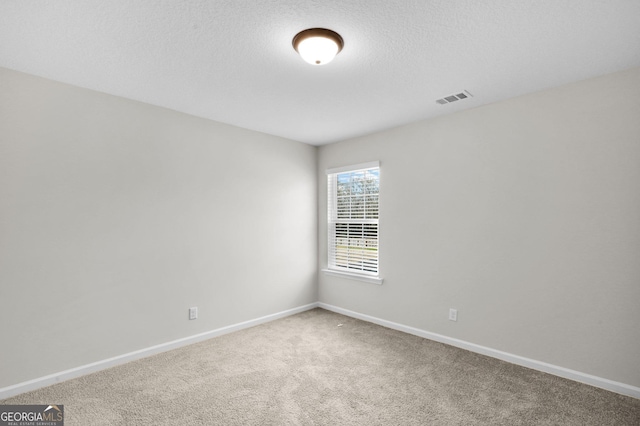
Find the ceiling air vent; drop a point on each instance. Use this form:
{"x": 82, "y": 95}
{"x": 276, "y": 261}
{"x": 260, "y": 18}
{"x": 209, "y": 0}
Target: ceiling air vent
{"x": 453, "y": 98}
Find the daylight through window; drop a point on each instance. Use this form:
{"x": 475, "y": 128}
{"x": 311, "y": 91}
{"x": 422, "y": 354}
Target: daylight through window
{"x": 353, "y": 218}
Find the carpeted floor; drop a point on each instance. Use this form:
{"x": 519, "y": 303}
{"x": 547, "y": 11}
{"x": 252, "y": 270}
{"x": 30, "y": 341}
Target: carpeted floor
{"x": 308, "y": 369}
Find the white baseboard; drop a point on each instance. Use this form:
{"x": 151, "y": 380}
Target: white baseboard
{"x": 577, "y": 376}
{"x": 566, "y": 373}
{"x": 51, "y": 379}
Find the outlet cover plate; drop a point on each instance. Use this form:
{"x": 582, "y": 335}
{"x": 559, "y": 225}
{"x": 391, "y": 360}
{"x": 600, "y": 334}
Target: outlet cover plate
{"x": 453, "y": 314}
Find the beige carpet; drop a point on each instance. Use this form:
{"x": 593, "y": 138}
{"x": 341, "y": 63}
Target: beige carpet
{"x": 308, "y": 370}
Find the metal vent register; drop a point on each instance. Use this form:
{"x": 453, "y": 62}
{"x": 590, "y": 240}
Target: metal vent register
{"x": 453, "y": 98}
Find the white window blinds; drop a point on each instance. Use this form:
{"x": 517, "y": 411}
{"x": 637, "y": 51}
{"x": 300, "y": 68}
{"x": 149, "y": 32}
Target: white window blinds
{"x": 353, "y": 194}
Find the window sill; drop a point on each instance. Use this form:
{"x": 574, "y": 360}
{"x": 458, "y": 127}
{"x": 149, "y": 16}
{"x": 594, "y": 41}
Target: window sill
{"x": 364, "y": 278}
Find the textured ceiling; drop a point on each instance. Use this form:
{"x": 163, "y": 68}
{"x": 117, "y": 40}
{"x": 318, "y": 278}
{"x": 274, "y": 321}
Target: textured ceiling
{"x": 232, "y": 60}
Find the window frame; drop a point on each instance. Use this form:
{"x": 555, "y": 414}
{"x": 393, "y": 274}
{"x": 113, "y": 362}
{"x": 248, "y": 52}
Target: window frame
{"x": 332, "y": 220}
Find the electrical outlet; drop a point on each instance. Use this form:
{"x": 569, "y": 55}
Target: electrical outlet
{"x": 193, "y": 313}
{"x": 453, "y": 314}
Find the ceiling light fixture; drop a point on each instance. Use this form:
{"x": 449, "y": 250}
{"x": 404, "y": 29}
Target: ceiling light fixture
{"x": 318, "y": 46}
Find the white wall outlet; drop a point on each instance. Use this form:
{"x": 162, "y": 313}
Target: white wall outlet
{"x": 193, "y": 313}
{"x": 453, "y": 314}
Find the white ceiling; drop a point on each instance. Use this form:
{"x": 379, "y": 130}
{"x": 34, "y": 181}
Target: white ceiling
{"x": 232, "y": 60}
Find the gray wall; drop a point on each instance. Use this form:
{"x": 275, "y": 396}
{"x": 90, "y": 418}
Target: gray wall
{"x": 117, "y": 216}
{"x": 524, "y": 215}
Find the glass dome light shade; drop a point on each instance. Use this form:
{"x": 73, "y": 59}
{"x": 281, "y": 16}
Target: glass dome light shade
{"x": 318, "y": 46}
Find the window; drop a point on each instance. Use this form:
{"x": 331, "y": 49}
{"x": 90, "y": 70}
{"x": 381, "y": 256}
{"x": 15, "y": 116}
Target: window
{"x": 353, "y": 195}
